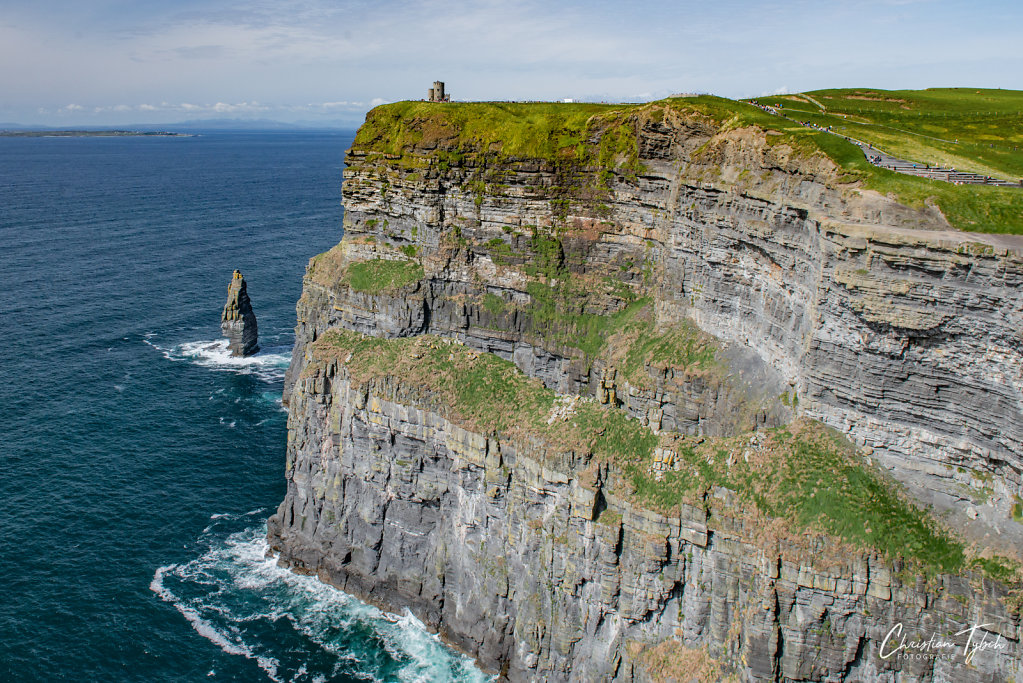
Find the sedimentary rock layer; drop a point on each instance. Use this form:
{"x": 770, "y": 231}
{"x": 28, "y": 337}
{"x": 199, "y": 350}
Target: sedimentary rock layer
{"x": 523, "y": 557}
{"x": 887, "y": 325}
{"x": 814, "y": 297}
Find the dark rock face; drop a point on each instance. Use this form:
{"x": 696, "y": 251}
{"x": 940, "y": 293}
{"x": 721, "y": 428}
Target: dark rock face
{"x": 526, "y": 559}
{"x": 891, "y": 328}
{"x": 238, "y": 322}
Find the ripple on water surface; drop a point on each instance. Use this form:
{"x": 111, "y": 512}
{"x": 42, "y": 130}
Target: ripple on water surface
{"x": 116, "y": 453}
{"x": 294, "y": 627}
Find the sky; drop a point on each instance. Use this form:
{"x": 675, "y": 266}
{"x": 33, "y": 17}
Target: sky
{"x": 327, "y": 62}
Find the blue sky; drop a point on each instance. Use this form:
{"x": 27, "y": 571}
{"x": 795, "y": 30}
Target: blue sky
{"x": 114, "y": 62}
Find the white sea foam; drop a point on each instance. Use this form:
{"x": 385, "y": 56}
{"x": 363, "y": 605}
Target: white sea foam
{"x": 269, "y": 364}
{"x": 207, "y": 630}
{"x": 233, "y": 592}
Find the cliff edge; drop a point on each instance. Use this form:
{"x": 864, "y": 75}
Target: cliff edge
{"x": 604, "y": 391}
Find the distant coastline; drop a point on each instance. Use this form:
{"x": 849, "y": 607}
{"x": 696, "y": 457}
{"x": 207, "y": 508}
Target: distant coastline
{"x": 88, "y": 133}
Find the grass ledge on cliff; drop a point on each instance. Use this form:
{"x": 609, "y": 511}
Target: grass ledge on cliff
{"x": 788, "y": 482}
{"x": 489, "y": 395}
{"x": 382, "y": 275}
{"x": 334, "y": 268}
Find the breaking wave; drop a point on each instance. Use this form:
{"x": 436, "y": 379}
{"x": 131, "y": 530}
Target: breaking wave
{"x": 294, "y": 627}
{"x": 269, "y": 364}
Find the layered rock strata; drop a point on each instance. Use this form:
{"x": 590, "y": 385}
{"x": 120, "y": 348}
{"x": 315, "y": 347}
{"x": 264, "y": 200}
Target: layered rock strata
{"x": 524, "y": 557}
{"x": 820, "y": 298}
{"x": 238, "y": 322}
{"x": 886, "y": 324}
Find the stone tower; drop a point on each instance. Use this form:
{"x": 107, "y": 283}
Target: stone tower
{"x": 238, "y": 322}
{"x": 436, "y": 93}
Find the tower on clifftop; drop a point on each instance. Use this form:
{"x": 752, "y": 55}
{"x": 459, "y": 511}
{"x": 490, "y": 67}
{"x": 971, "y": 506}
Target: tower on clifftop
{"x": 238, "y": 322}
{"x": 436, "y": 93}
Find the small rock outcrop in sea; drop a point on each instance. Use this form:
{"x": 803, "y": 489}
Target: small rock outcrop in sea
{"x": 238, "y": 322}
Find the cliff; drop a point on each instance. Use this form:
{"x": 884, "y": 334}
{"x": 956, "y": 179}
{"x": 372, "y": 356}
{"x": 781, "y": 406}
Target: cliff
{"x": 582, "y": 387}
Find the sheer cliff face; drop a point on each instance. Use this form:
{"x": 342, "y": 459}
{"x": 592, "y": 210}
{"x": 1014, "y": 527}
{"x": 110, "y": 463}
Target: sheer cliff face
{"x": 815, "y": 297}
{"x": 889, "y": 326}
{"x": 525, "y": 559}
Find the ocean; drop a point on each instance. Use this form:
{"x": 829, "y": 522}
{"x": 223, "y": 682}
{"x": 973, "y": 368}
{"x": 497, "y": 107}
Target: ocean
{"x": 139, "y": 461}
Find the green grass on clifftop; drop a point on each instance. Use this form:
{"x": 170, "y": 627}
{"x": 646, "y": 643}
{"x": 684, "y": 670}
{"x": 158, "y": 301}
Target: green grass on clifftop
{"x": 538, "y": 130}
{"x": 966, "y": 128}
{"x": 918, "y": 125}
{"x": 971, "y": 208}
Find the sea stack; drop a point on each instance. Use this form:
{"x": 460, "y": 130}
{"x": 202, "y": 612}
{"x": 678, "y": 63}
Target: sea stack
{"x": 238, "y": 322}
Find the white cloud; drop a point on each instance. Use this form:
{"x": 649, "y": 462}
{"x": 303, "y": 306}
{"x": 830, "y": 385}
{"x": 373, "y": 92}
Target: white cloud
{"x": 344, "y": 104}
{"x": 226, "y": 108}
{"x": 332, "y": 60}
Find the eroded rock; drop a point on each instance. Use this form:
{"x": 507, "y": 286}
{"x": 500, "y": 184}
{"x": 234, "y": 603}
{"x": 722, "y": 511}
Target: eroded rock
{"x": 238, "y": 322}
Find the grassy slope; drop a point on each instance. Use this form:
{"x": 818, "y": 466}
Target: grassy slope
{"x": 964, "y": 128}
{"x": 977, "y": 130}
{"x": 486, "y": 393}
{"x": 902, "y": 132}
{"x": 809, "y": 476}
{"x": 564, "y": 134}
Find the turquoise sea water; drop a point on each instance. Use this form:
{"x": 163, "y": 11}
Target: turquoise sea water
{"x": 139, "y": 462}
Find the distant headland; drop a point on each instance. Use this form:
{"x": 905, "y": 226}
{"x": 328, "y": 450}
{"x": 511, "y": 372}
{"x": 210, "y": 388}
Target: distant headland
{"x": 89, "y": 133}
